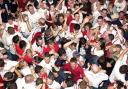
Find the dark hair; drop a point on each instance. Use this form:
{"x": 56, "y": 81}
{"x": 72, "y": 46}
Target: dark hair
{"x": 11, "y": 30}
{"x": 9, "y": 75}
{"x": 2, "y": 63}
{"x": 120, "y": 84}
{"x": 38, "y": 38}
{"x": 15, "y": 39}
{"x": 38, "y": 69}
{"x": 104, "y": 9}
{"x": 88, "y": 24}
{"x": 61, "y": 51}
{"x": 102, "y": 62}
{"x": 102, "y": 42}
{"x": 118, "y": 46}
{"x": 111, "y": 36}
{"x": 73, "y": 59}
{"x": 83, "y": 84}
{"x": 76, "y": 26}
{"x": 22, "y": 44}
{"x": 11, "y": 85}
{"x": 39, "y": 81}
{"x": 29, "y": 5}
{"x": 69, "y": 82}
{"x": 1, "y": 45}
{"x": 100, "y": 17}
{"x": 76, "y": 13}
{"x": 123, "y": 69}
{"x": 69, "y": 10}
{"x": 73, "y": 44}
{"x": 51, "y": 76}
{"x": 76, "y": 5}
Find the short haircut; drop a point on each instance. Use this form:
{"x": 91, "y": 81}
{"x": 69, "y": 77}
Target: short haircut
{"x": 11, "y": 85}
{"x": 22, "y": 44}
{"x": 38, "y": 38}
{"x": 100, "y": 17}
{"x": 73, "y": 44}
{"x": 9, "y": 75}
{"x": 29, "y": 78}
{"x": 61, "y": 51}
{"x": 73, "y": 59}
{"x": 39, "y": 81}
{"x": 88, "y": 24}
{"x": 38, "y": 69}
{"x": 123, "y": 69}
{"x": 2, "y": 63}
{"x": 16, "y": 39}
{"x": 69, "y": 82}
{"x": 29, "y": 5}
{"x": 11, "y": 30}
{"x": 83, "y": 84}
{"x": 51, "y": 76}
{"x": 118, "y": 46}
{"x": 111, "y": 37}
{"x": 76, "y": 26}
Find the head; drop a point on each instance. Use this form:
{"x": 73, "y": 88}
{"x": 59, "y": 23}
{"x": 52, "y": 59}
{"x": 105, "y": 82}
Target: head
{"x": 22, "y": 44}
{"x": 25, "y": 17}
{"x": 51, "y": 43}
{"x": 16, "y": 39}
{"x": 29, "y": 78}
{"x": 87, "y": 26}
{"x": 41, "y": 21}
{"x": 62, "y": 53}
{"x": 77, "y": 16}
{"x": 10, "y": 20}
{"x": 104, "y": 12}
{"x": 22, "y": 64}
{"x": 11, "y": 85}
{"x": 100, "y": 20}
{"x": 30, "y": 8}
{"x": 76, "y": 28}
{"x": 61, "y": 18}
{"x": 2, "y": 63}
{"x": 50, "y": 79}
{"x": 39, "y": 81}
{"x": 69, "y": 12}
{"x": 119, "y": 85}
{"x": 123, "y": 69}
{"x": 29, "y": 53}
{"x": 73, "y": 46}
{"x": 68, "y": 83}
{"x": 83, "y": 85}
{"x": 43, "y": 4}
{"x": 110, "y": 37}
{"x": 76, "y": 6}
{"x": 47, "y": 58}
{"x": 8, "y": 76}
{"x": 39, "y": 40}
{"x": 73, "y": 62}
{"x": 39, "y": 70}
{"x": 117, "y": 48}
{"x": 11, "y": 30}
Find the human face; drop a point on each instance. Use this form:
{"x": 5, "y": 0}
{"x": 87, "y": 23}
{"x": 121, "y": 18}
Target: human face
{"x": 61, "y": 19}
{"x": 100, "y": 22}
{"x": 40, "y": 42}
{"x": 104, "y": 13}
{"x": 43, "y": 5}
{"x": 95, "y": 68}
{"x": 47, "y": 60}
{"x": 73, "y": 65}
{"x": 31, "y": 10}
{"x": 1, "y": 68}
{"x": 77, "y": 17}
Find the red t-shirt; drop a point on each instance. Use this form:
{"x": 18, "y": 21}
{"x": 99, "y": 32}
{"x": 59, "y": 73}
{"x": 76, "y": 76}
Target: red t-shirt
{"x": 19, "y": 50}
{"x": 77, "y": 72}
{"x": 28, "y": 59}
{"x": 2, "y": 82}
{"x": 48, "y": 49}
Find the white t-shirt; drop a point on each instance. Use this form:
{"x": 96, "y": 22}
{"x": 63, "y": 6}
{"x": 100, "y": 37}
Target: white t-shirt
{"x": 96, "y": 79}
{"x": 42, "y": 13}
{"x": 47, "y": 67}
{"x": 69, "y": 53}
{"x": 54, "y": 85}
{"x": 116, "y": 75}
{"x": 26, "y": 71}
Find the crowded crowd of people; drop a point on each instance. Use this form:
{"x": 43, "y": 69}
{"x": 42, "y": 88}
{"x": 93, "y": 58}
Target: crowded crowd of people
{"x": 63, "y": 44}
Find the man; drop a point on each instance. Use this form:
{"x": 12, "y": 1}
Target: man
{"x": 74, "y": 69}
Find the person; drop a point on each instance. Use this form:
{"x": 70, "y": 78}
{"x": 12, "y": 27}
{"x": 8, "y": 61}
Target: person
{"x": 75, "y": 69}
